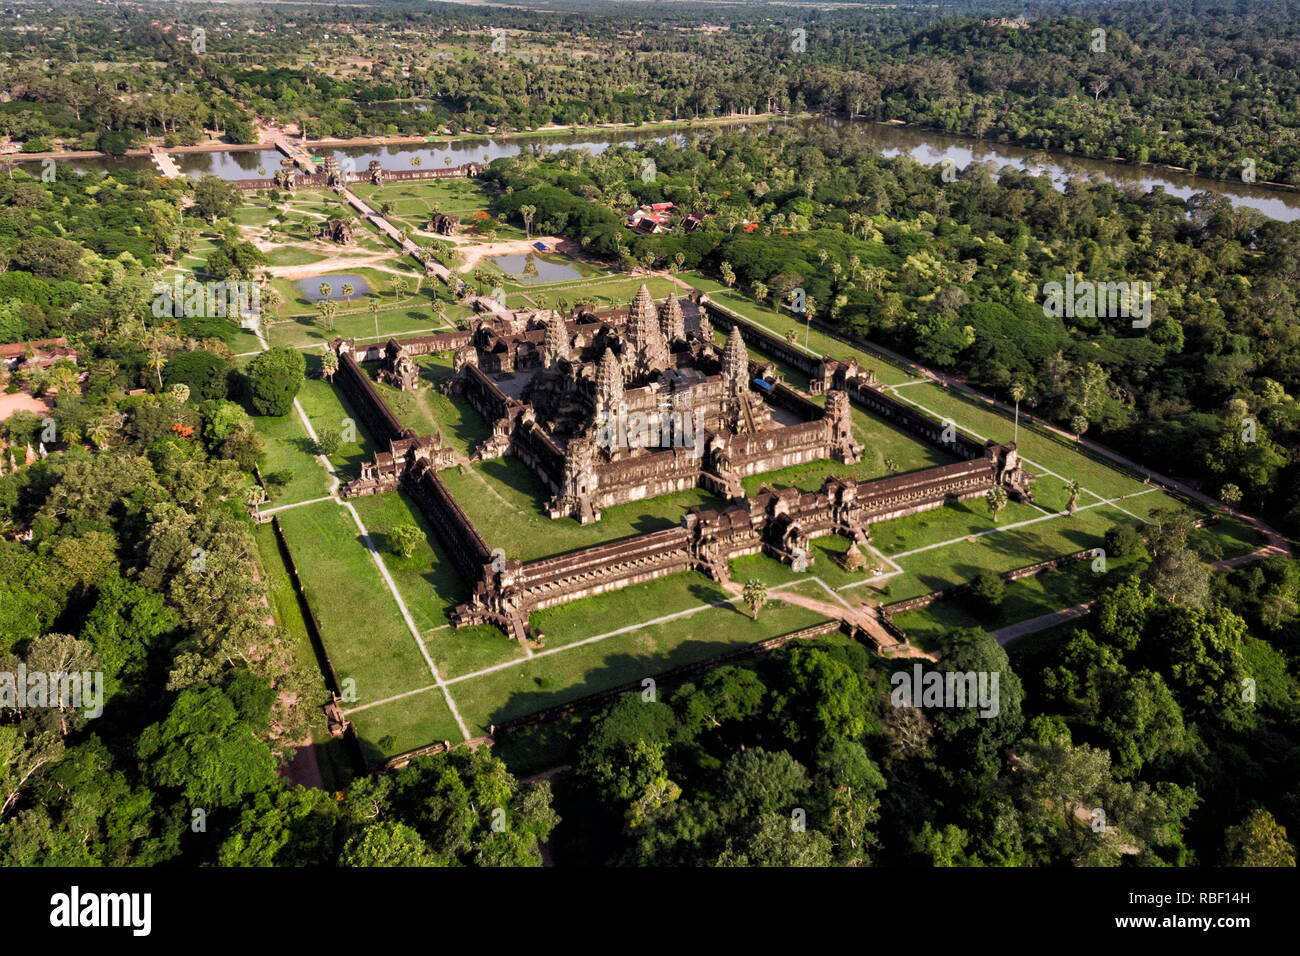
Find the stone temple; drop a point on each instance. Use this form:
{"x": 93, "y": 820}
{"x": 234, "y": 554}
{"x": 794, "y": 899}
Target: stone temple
{"x": 619, "y": 406}
{"x": 616, "y": 407}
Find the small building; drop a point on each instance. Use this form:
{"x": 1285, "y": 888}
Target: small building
{"x": 442, "y": 224}
{"x": 341, "y": 231}
{"x": 43, "y": 353}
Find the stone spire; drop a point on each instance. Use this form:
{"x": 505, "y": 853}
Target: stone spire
{"x": 671, "y": 321}
{"x": 609, "y": 383}
{"x": 556, "y": 344}
{"x": 706, "y": 328}
{"x": 735, "y": 363}
{"x": 649, "y": 348}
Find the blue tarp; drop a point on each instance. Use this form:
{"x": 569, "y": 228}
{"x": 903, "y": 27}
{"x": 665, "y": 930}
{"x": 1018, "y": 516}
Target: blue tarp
{"x": 761, "y": 383}
{"x": 540, "y": 245}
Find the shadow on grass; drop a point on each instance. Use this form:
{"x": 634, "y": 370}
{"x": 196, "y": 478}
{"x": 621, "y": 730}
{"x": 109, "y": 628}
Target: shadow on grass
{"x": 615, "y": 671}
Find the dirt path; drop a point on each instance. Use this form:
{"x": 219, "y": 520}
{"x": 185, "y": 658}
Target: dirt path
{"x": 304, "y": 769}
{"x": 470, "y": 255}
{"x": 377, "y": 261}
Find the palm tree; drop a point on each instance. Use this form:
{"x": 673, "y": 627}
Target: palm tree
{"x": 527, "y": 212}
{"x": 327, "y": 309}
{"x": 1075, "y": 488}
{"x": 347, "y": 290}
{"x": 1017, "y": 393}
{"x": 399, "y": 287}
{"x": 374, "y": 312}
{"x": 325, "y": 290}
{"x": 997, "y": 500}
{"x": 755, "y": 595}
{"x": 156, "y": 362}
{"x": 329, "y": 363}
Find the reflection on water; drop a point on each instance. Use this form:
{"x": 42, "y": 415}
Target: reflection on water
{"x": 530, "y": 267}
{"x": 437, "y": 155}
{"x": 311, "y": 288}
{"x": 930, "y": 148}
{"x": 232, "y": 164}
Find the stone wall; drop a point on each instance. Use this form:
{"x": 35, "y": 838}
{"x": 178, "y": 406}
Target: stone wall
{"x": 781, "y": 523}
{"x": 365, "y": 399}
{"x": 321, "y": 180}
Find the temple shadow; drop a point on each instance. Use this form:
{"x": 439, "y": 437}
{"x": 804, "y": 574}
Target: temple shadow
{"x": 617, "y": 670}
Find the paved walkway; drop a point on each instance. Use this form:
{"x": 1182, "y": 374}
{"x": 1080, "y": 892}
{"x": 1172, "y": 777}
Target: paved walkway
{"x": 166, "y": 165}
{"x": 1043, "y": 622}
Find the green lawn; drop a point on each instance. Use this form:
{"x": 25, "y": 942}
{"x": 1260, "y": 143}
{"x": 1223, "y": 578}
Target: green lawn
{"x": 427, "y": 580}
{"x": 505, "y": 500}
{"x": 462, "y": 428}
{"x": 553, "y": 677}
{"x": 401, "y": 725}
{"x": 289, "y": 447}
{"x": 305, "y": 679}
{"x": 1024, "y": 599}
{"x": 362, "y": 628}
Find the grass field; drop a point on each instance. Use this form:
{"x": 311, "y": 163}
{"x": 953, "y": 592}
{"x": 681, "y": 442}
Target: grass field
{"x": 365, "y": 636}
{"x": 428, "y": 410}
{"x": 506, "y": 501}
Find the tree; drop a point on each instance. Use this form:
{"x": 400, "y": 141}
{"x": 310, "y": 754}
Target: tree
{"x": 1230, "y": 495}
{"x": 755, "y": 595}
{"x": 388, "y": 843}
{"x": 405, "y": 539}
{"x": 204, "y": 372}
{"x": 328, "y": 442}
{"x": 208, "y": 749}
{"x": 1181, "y": 577}
{"x": 327, "y": 309}
{"x": 1074, "y": 488}
{"x": 329, "y": 364}
{"x": 728, "y": 274}
{"x": 527, "y": 213}
{"x": 215, "y": 198}
{"x": 1123, "y": 540}
{"x": 996, "y": 499}
{"x": 1259, "y": 840}
{"x": 1017, "y": 396}
{"x": 274, "y": 377}
{"x": 291, "y": 826}
{"x": 987, "y": 590}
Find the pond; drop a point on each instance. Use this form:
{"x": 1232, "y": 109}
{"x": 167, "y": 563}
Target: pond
{"x": 310, "y": 288}
{"x": 532, "y": 267}
{"x": 230, "y": 164}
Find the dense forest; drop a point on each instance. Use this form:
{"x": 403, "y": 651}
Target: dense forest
{"x": 1174, "y": 82}
{"x": 803, "y": 759}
